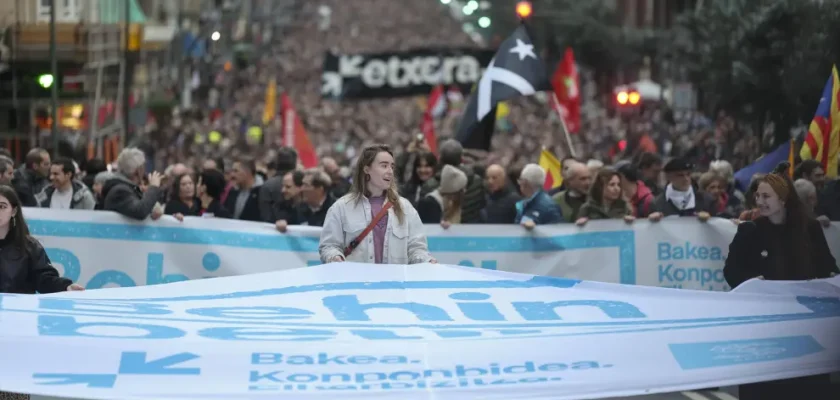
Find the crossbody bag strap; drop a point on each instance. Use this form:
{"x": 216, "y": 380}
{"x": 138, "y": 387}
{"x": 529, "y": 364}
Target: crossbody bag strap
{"x": 355, "y": 242}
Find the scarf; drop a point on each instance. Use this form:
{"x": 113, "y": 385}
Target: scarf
{"x": 681, "y": 200}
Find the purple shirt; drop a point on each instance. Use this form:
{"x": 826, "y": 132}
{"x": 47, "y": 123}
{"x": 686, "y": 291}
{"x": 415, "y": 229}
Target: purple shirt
{"x": 379, "y": 230}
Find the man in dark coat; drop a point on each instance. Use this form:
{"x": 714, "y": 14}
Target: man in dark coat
{"x": 122, "y": 193}
{"x": 681, "y": 197}
{"x": 32, "y": 177}
{"x": 501, "y": 198}
{"x": 273, "y": 205}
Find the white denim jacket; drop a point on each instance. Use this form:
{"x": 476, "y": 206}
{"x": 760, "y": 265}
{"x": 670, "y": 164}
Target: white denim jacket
{"x": 404, "y": 243}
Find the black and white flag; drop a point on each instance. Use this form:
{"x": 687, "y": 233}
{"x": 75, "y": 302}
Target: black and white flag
{"x": 516, "y": 70}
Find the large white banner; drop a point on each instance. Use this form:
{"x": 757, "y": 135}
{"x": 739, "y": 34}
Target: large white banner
{"x": 363, "y": 331}
{"x": 102, "y": 249}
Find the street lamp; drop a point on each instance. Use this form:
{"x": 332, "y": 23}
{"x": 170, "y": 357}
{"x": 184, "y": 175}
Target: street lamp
{"x": 524, "y": 9}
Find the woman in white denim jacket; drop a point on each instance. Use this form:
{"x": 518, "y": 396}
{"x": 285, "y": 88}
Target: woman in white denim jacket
{"x": 397, "y": 238}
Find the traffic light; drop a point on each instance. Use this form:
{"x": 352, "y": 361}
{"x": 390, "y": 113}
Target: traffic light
{"x": 46, "y": 80}
{"x": 524, "y": 9}
{"x": 628, "y": 98}
{"x": 627, "y": 101}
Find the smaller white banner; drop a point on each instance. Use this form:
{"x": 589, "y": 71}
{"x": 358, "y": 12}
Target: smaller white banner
{"x": 102, "y": 249}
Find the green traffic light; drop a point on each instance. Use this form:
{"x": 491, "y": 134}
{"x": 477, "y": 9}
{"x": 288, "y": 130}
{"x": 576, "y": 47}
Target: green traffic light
{"x": 46, "y": 80}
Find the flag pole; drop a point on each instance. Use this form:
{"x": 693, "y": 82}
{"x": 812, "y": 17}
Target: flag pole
{"x": 556, "y": 102}
{"x": 563, "y": 126}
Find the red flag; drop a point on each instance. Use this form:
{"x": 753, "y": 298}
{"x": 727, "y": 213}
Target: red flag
{"x": 294, "y": 135}
{"x": 435, "y": 107}
{"x": 566, "y": 83}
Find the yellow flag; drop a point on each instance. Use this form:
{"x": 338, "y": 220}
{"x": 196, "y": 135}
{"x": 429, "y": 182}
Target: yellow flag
{"x": 270, "y": 102}
{"x": 553, "y": 168}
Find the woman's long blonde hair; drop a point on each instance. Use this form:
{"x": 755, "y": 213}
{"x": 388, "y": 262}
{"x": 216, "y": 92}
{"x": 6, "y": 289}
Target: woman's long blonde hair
{"x": 360, "y": 179}
{"x": 452, "y": 206}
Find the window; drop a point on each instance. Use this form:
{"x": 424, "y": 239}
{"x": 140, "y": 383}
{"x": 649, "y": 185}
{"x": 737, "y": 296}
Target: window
{"x": 71, "y": 10}
{"x": 43, "y": 10}
{"x": 67, "y": 11}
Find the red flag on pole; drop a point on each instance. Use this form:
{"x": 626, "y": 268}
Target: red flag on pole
{"x": 435, "y": 107}
{"x": 295, "y": 136}
{"x": 566, "y": 83}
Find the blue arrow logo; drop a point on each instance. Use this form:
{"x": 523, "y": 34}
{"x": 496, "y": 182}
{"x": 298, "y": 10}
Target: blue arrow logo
{"x": 136, "y": 363}
{"x": 91, "y": 380}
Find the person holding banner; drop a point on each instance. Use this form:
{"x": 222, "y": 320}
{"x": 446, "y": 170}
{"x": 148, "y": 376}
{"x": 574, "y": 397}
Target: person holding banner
{"x": 783, "y": 243}
{"x": 24, "y": 265}
{"x": 123, "y": 193}
{"x": 536, "y": 206}
{"x": 680, "y": 197}
{"x": 182, "y": 198}
{"x": 373, "y": 224}
{"x": 605, "y": 199}
{"x": 716, "y": 186}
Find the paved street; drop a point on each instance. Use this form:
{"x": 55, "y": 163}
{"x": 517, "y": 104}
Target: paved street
{"x": 722, "y": 394}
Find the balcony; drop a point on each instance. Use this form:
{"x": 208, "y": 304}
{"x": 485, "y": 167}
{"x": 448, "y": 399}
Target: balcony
{"x": 75, "y": 42}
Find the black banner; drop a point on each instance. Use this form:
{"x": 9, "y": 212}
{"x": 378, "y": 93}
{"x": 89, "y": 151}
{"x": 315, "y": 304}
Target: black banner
{"x": 410, "y": 73}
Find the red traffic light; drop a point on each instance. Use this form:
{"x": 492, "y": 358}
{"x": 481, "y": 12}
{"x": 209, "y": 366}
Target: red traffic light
{"x": 524, "y": 9}
{"x": 625, "y": 98}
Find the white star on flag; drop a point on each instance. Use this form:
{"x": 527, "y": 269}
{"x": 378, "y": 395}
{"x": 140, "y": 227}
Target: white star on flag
{"x": 501, "y": 75}
{"x": 523, "y": 50}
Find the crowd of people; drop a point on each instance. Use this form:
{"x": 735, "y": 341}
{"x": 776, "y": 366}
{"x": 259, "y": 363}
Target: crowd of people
{"x": 448, "y": 188}
{"x": 340, "y": 129}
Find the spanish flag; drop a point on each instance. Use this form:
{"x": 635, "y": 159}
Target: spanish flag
{"x": 553, "y": 168}
{"x": 822, "y": 143}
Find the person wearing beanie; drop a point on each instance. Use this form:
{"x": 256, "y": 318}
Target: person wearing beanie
{"x": 451, "y": 152}
{"x": 680, "y": 198}
{"x": 784, "y": 243}
{"x": 443, "y": 205}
